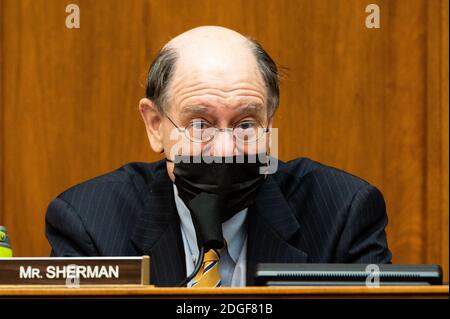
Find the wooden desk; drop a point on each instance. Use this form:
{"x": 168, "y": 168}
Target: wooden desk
{"x": 441, "y": 292}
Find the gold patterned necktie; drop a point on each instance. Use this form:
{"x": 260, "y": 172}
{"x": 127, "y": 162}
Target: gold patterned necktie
{"x": 209, "y": 275}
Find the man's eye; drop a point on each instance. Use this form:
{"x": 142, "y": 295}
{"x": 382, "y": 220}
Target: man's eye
{"x": 246, "y": 125}
{"x": 199, "y": 124}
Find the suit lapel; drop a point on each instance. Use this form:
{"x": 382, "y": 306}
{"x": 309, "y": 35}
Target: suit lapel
{"x": 158, "y": 234}
{"x": 271, "y": 224}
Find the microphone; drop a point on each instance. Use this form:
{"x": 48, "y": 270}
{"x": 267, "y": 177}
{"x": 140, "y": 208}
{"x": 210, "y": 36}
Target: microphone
{"x": 205, "y": 212}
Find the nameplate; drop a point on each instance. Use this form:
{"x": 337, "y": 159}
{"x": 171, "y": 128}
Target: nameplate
{"x": 75, "y": 271}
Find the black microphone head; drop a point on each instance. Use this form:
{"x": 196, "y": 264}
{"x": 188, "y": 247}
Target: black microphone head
{"x": 205, "y": 212}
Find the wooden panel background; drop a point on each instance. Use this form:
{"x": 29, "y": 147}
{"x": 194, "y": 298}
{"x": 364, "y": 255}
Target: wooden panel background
{"x": 373, "y": 102}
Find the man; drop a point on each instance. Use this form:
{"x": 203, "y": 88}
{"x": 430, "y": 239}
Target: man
{"x": 218, "y": 83}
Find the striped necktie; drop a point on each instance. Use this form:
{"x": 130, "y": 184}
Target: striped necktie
{"x": 209, "y": 275}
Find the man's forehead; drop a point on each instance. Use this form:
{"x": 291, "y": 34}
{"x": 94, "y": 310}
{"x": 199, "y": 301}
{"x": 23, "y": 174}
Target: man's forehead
{"x": 217, "y": 65}
{"x": 212, "y": 47}
{"x": 206, "y": 34}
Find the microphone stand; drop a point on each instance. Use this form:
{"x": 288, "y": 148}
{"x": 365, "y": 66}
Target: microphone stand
{"x": 205, "y": 213}
{"x": 198, "y": 264}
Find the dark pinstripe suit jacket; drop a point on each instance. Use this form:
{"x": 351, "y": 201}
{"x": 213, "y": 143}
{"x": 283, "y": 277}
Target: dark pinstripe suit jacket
{"x": 306, "y": 212}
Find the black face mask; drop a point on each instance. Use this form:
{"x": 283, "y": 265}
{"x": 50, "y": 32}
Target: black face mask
{"x": 215, "y": 189}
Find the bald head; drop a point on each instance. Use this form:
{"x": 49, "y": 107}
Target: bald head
{"x": 220, "y": 56}
{"x": 214, "y": 51}
{"x": 208, "y": 37}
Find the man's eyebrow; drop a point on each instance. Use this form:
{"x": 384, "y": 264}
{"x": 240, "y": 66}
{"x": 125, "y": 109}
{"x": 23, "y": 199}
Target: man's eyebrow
{"x": 201, "y": 109}
{"x": 251, "y": 108}
{"x": 196, "y": 109}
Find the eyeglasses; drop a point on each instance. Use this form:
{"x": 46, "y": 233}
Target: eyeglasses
{"x": 201, "y": 131}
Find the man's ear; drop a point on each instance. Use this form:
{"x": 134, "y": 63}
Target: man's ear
{"x": 152, "y": 119}
{"x": 269, "y": 125}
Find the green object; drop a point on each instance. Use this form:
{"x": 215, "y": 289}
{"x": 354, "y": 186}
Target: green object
{"x": 5, "y": 245}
